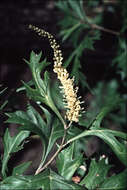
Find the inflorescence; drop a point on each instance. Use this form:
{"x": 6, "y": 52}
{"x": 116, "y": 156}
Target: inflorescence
{"x": 70, "y": 99}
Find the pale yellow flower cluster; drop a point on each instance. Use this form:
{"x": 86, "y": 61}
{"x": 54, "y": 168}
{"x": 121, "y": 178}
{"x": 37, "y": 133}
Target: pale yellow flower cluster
{"x": 70, "y": 93}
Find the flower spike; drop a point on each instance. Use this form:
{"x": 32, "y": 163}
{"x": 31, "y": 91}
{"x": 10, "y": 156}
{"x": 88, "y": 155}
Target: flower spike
{"x": 72, "y": 102}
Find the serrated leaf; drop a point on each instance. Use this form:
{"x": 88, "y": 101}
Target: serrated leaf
{"x": 116, "y": 182}
{"x": 48, "y": 180}
{"x": 67, "y": 32}
{"x": 32, "y": 121}
{"x": 90, "y": 40}
{"x": 113, "y": 103}
{"x": 64, "y": 6}
{"x": 11, "y": 145}
{"x": 34, "y": 93}
{"x": 17, "y": 183}
{"x": 56, "y": 132}
{"x": 77, "y": 7}
{"x": 36, "y": 68}
{"x": 34, "y": 59}
{"x": 20, "y": 169}
{"x": 109, "y": 137}
{"x": 29, "y": 120}
{"x": 66, "y": 164}
{"x": 96, "y": 175}
{"x": 43, "y": 64}
{"x": 41, "y": 91}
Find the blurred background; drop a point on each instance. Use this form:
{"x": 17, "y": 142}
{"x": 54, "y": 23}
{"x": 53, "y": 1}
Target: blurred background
{"x": 17, "y": 41}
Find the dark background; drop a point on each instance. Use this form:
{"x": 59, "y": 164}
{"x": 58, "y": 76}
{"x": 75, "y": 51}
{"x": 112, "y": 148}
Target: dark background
{"x": 16, "y": 41}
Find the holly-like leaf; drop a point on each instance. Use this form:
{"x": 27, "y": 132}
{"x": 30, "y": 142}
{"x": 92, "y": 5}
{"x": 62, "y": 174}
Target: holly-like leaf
{"x": 109, "y": 137}
{"x": 11, "y": 145}
{"x": 34, "y": 94}
{"x": 96, "y": 175}
{"x": 40, "y": 90}
{"x": 48, "y": 180}
{"x": 66, "y": 164}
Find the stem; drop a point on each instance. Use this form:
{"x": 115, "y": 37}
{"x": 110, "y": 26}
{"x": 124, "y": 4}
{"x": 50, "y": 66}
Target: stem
{"x": 53, "y": 157}
{"x": 95, "y": 26}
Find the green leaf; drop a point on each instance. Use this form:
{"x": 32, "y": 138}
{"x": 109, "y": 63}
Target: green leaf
{"x": 77, "y": 7}
{"x": 57, "y": 95}
{"x": 121, "y": 59}
{"x": 36, "y": 68}
{"x": 67, "y": 164}
{"x": 67, "y": 32}
{"x": 75, "y": 71}
{"x": 32, "y": 121}
{"x": 96, "y": 175}
{"x": 47, "y": 180}
{"x": 34, "y": 60}
{"x": 34, "y": 93}
{"x": 108, "y": 136}
{"x": 56, "y": 132}
{"x": 90, "y": 40}
{"x": 49, "y": 130}
{"x": 41, "y": 91}
{"x": 11, "y": 145}
{"x": 20, "y": 169}
{"x": 64, "y": 6}
{"x": 30, "y": 83}
{"x": 111, "y": 105}
{"x": 17, "y": 183}
{"x": 116, "y": 182}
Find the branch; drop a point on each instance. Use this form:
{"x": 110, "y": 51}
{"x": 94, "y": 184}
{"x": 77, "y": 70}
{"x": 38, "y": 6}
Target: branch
{"x": 95, "y": 26}
{"x": 53, "y": 157}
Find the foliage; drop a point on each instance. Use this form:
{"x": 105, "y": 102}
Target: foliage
{"x": 44, "y": 116}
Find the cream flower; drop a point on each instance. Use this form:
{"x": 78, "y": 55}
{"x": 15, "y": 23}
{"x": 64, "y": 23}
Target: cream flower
{"x": 72, "y": 103}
